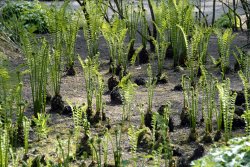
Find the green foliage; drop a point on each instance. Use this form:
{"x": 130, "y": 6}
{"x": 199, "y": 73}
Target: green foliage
{"x": 191, "y": 100}
{"x": 92, "y": 25}
{"x": 197, "y": 50}
{"x": 4, "y": 146}
{"x": 37, "y": 56}
{"x": 193, "y": 107}
{"x": 208, "y": 85}
{"x": 65, "y": 158}
{"x": 132, "y": 14}
{"x": 117, "y": 149}
{"x": 236, "y": 153}
{"x": 225, "y": 40}
{"x": 99, "y": 90}
{"x": 150, "y": 86}
{"x": 227, "y": 107}
{"x": 181, "y": 20}
{"x": 162, "y": 41}
{"x": 56, "y": 24}
{"x": 246, "y": 84}
{"x": 115, "y": 34}
{"x": 11, "y": 99}
{"x": 143, "y": 26}
{"x": 133, "y": 135}
{"x": 90, "y": 66}
{"x": 70, "y": 31}
{"x": 32, "y": 15}
{"x": 243, "y": 60}
{"x": 79, "y": 117}
{"x": 41, "y": 128}
{"x": 128, "y": 92}
{"x": 162, "y": 122}
{"x": 26, "y": 128}
{"x": 227, "y": 20}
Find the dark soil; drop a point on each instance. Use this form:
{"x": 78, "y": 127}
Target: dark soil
{"x": 57, "y": 104}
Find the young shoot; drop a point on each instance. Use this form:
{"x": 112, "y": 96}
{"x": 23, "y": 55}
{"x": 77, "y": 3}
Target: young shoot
{"x": 180, "y": 28}
{"x": 128, "y": 92}
{"x": 132, "y": 16}
{"x": 41, "y": 128}
{"x": 246, "y": 115}
{"x": 56, "y": 25}
{"x": 227, "y": 107}
{"x": 70, "y": 31}
{"x": 115, "y": 34}
{"x": 163, "y": 129}
{"x": 37, "y": 56}
{"x": 150, "y": 86}
{"x": 133, "y": 135}
{"x": 191, "y": 99}
{"x": 92, "y": 23}
{"x": 89, "y": 67}
{"x": 197, "y": 51}
{"x": 26, "y": 129}
{"x": 242, "y": 62}
{"x": 99, "y": 89}
{"x": 208, "y": 106}
{"x": 225, "y": 40}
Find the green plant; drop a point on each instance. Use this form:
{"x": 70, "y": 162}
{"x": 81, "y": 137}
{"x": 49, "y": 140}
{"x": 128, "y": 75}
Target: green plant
{"x": 181, "y": 20}
{"x": 161, "y": 43}
{"x": 162, "y": 121}
{"x": 191, "y": 104}
{"x": 227, "y": 107}
{"x": 246, "y": 8}
{"x": 56, "y": 23}
{"x": 96, "y": 151}
{"x": 117, "y": 150}
{"x": 105, "y": 141}
{"x": 208, "y": 86}
{"x": 79, "y": 118}
{"x": 92, "y": 25}
{"x": 115, "y": 34}
{"x": 90, "y": 67}
{"x": 150, "y": 86}
{"x": 143, "y": 24}
{"x": 37, "y": 55}
{"x": 26, "y": 128}
{"x": 132, "y": 14}
{"x": 133, "y": 135}
{"x": 70, "y": 31}
{"x": 128, "y": 92}
{"x": 236, "y": 153}
{"x": 30, "y": 14}
{"x": 65, "y": 158}
{"x": 242, "y": 62}
{"x": 41, "y": 128}
{"x": 246, "y": 84}
{"x": 197, "y": 51}
{"x": 224, "y": 42}
{"x": 99, "y": 90}
{"x": 4, "y": 146}
{"x": 11, "y": 99}
{"x": 227, "y": 20}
